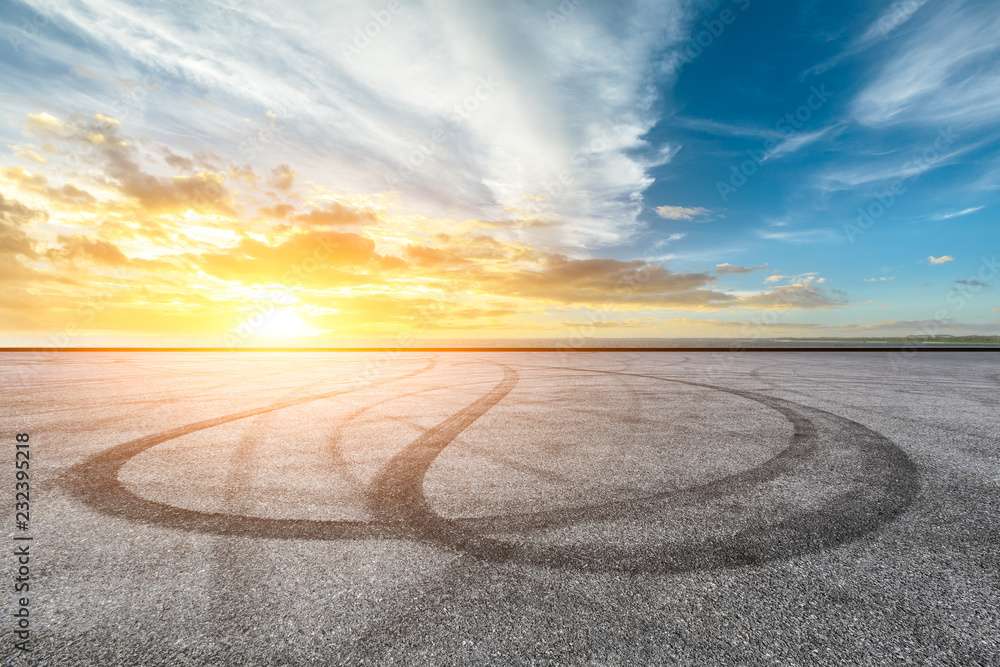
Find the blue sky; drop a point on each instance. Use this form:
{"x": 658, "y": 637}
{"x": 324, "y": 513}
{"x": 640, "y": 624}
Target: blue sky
{"x": 891, "y": 95}
{"x": 808, "y": 168}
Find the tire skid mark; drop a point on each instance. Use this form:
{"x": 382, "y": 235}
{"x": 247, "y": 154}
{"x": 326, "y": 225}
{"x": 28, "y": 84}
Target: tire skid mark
{"x": 95, "y": 482}
{"x": 848, "y": 517}
{"x": 491, "y": 455}
{"x": 848, "y": 381}
{"x": 335, "y": 452}
{"x": 236, "y": 566}
{"x": 882, "y": 485}
{"x": 396, "y": 495}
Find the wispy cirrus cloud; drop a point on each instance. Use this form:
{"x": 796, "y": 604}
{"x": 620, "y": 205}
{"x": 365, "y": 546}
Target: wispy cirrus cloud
{"x": 464, "y": 110}
{"x": 957, "y": 214}
{"x": 816, "y": 235}
{"x": 894, "y": 167}
{"x": 796, "y": 142}
{"x": 892, "y": 19}
{"x": 718, "y": 128}
{"x": 947, "y": 71}
{"x": 802, "y": 277}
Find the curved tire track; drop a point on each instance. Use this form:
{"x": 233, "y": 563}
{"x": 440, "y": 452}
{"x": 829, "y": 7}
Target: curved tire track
{"x": 396, "y": 495}
{"x": 881, "y": 486}
{"x": 872, "y": 481}
{"x": 95, "y": 482}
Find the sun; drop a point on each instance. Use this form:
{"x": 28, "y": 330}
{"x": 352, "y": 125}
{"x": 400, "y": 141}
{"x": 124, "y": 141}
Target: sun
{"x": 285, "y": 323}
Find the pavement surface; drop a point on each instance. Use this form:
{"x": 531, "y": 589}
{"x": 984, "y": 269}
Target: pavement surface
{"x": 506, "y": 508}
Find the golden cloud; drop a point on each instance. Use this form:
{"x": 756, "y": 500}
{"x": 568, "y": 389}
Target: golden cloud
{"x": 189, "y": 243}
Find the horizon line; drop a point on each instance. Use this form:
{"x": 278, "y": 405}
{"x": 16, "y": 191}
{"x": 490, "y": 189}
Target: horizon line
{"x": 967, "y": 347}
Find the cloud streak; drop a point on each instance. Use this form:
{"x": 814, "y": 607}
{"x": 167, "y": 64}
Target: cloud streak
{"x": 947, "y": 72}
{"x": 465, "y": 110}
{"x": 681, "y": 213}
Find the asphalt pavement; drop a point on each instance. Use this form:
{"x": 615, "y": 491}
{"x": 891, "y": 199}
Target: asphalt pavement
{"x": 616, "y": 507}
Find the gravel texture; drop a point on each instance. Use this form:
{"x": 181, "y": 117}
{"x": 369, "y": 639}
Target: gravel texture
{"x": 508, "y": 508}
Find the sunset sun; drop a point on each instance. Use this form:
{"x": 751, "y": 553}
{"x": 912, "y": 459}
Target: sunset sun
{"x": 286, "y": 324}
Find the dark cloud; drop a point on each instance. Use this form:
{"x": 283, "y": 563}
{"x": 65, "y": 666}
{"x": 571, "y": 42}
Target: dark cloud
{"x": 178, "y": 161}
{"x": 799, "y": 295}
{"x": 972, "y": 283}
{"x": 607, "y": 281}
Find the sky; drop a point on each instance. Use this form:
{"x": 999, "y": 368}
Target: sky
{"x": 245, "y": 171}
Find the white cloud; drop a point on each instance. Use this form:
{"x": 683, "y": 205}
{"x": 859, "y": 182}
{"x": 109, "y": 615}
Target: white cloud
{"x": 359, "y": 111}
{"x": 715, "y": 127}
{"x": 795, "y": 142}
{"x": 803, "y": 236}
{"x": 802, "y": 277}
{"x": 947, "y": 72}
{"x": 957, "y": 214}
{"x": 897, "y": 167}
{"x": 885, "y": 26}
{"x": 893, "y": 18}
{"x": 662, "y": 245}
{"x": 940, "y": 260}
{"x": 681, "y": 213}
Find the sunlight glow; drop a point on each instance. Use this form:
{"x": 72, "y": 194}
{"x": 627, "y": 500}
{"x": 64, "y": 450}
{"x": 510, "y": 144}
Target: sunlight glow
{"x": 286, "y": 324}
